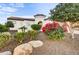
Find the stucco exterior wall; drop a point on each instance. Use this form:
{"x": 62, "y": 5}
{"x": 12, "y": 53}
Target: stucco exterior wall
{"x": 26, "y": 23}
{"x": 39, "y": 18}
{"x": 18, "y": 24}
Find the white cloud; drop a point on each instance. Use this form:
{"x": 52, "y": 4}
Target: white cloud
{"x": 3, "y": 20}
{"x": 17, "y": 4}
{"x": 8, "y": 9}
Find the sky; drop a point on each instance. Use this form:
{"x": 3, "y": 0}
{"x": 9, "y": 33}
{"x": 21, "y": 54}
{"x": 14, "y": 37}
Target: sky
{"x": 24, "y": 9}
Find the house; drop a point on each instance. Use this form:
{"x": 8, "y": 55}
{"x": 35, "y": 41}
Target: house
{"x": 27, "y": 22}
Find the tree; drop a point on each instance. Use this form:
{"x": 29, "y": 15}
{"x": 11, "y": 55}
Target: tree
{"x": 9, "y": 24}
{"x": 65, "y": 12}
{"x": 23, "y": 28}
{"x": 3, "y": 28}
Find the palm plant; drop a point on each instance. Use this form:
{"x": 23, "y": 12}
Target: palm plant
{"x": 23, "y": 28}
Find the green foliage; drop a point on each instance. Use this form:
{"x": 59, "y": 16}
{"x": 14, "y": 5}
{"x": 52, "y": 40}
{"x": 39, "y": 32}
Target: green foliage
{"x": 4, "y": 38}
{"x": 56, "y": 34}
{"x": 9, "y": 24}
{"x": 65, "y": 12}
{"x": 36, "y": 26}
{"x": 3, "y": 28}
{"x": 20, "y": 36}
{"x": 23, "y": 28}
{"x": 32, "y": 34}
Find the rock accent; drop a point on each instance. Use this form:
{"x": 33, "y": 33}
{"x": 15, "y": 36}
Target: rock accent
{"x": 27, "y": 48}
{"x": 23, "y": 49}
{"x": 6, "y": 53}
{"x": 36, "y": 43}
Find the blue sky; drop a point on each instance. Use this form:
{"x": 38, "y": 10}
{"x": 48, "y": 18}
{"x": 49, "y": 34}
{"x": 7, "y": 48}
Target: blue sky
{"x": 24, "y": 10}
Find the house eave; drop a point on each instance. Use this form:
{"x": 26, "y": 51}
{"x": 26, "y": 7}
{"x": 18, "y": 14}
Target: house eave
{"x": 20, "y": 19}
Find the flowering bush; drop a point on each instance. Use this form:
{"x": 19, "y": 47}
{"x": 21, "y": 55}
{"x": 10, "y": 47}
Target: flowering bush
{"x": 50, "y": 26}
{"x": 64, "y": 26}
{"x": 53, "y": 30}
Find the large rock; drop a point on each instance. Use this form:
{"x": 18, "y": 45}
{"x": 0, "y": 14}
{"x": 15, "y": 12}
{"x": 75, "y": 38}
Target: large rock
{"x": 26, "y": 49}
{"x": 23, "y": 49}
{"x": 6, "y": 53}
{"x": 36, "y": 43}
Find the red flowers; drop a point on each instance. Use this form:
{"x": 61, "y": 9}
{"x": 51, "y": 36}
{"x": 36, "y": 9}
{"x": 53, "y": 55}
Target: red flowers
{"x": 55, "y": 25}
{"x": 50, "y": 26}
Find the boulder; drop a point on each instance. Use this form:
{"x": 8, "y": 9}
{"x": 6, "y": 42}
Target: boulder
{"x": 6, "y": 53}
{"x": 23, "y": 49}
{"x": 36, "y": 43}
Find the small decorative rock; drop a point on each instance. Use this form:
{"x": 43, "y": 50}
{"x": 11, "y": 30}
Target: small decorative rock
{"x": 36, "y": 43}
{"x": 23, "y": 49}
{"x": 6, "y": 53}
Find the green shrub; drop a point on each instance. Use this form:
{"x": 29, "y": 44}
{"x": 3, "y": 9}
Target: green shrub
{"x": 32, "y": 34}
{"x": 3, "y": 28}
{"x": 9, "y": 24}
{"x": 36, "y": 26}
{"x": 57, "y": 34}
{"x": 4, "y": 38}
{"x": 19, "y": 36}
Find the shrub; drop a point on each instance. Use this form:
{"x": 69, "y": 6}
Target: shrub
{"x": 32, "y": 34}
{"x": 9, "y": 24}
{"x": 4, "y": 38}
{"x": 53, "y": 30}
{"x": 20, "y": 36}
{"x": 57, "y": 34}
{"x": 64, "y": 26}
{"x": 36, "y": 26}
{"x": 3, "y": 28}
{"x": 50, "y": 26}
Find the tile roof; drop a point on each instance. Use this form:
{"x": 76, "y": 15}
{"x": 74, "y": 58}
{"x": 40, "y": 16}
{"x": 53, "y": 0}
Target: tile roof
{"x": 39, "y": 15}
{"x": 20, "y": 18}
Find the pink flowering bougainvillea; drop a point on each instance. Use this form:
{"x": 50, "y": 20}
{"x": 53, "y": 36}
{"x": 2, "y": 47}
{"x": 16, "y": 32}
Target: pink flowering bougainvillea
{"x": 50, "y": 26}
{"x": 54, "y": 25}
{"x": 65, "y": 26}
{"x": 54, "y": 30}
